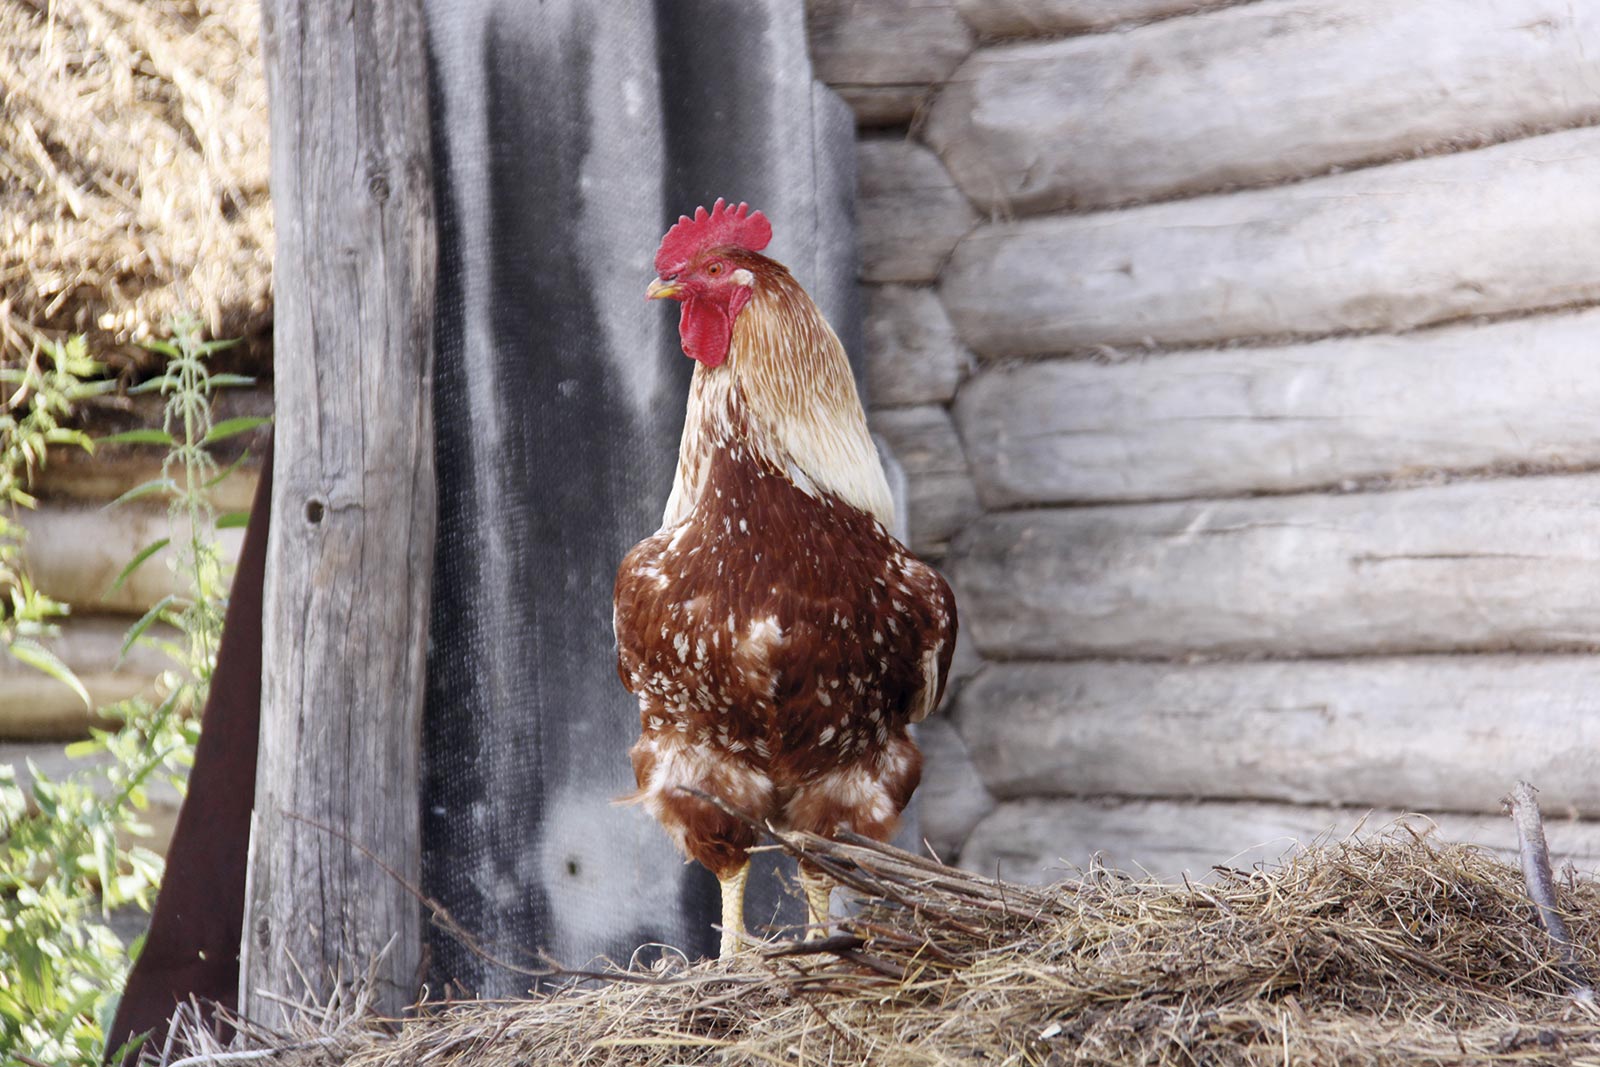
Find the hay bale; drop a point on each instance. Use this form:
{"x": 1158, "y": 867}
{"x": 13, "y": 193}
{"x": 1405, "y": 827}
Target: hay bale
{"x": 133, "y": 171}
{"x": 1392, "y": 950}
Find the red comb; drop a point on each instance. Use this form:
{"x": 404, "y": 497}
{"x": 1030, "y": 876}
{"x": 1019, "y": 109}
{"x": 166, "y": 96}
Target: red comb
{"x": 721, "y": 227}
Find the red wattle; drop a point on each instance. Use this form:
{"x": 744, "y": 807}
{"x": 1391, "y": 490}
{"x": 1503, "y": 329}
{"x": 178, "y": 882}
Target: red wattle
{"x": 706, "y": 329}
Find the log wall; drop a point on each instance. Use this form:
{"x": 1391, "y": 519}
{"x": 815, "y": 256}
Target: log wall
{"x": 78, "y": 543}
{"x": 1241, "y": 357}
{"x": 1259, "y": 93}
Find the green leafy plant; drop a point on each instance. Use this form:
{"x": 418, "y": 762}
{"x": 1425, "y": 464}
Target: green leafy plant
{"x": 188, "y": 474}
{"x": 35, "y": 401}
{"x": 70, "y": 854}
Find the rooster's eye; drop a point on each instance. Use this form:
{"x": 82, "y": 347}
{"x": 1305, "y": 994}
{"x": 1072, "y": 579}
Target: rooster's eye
{"x": 714, "y": 269}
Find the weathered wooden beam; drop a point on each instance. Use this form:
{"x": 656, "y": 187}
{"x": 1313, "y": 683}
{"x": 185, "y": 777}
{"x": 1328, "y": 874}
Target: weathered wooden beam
{"x": 110, "y": 472}
{"x": 941, "y": 500}
{"x": 75, "y": 552}
{"x": 36, "y": 707}
{"x": 1473, "y": 566}
{"x": 882, "y": 56}
{"x": 1433, "y": 733}
{"x": 1013, "y": 18}
{"x": 910, "y": 213}
{"x": 335, "y": 848}
{"x": 1506, "y": 396}
{"x": 1106, "y": 119}
{"x": 1045, "y": 840}
{"x": 913, "y": 355}
{"x": 1496, "y": 230}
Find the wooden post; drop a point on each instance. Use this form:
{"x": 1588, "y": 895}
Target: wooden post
{"x": 335, "y": 840}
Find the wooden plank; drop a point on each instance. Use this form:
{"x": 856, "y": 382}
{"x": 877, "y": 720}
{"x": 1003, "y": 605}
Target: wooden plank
{"x": 941, "y": 498}
{"x": 885, "y": 42}
{"x": 75, "y": 551}
{"x": 110, "y": 472}
{"x": 913, "y": 355}
{"x": 1432, "y": 733}
{"x": 1473, "y": 566}
{"x": 335, "y": 843}
{"x": 1045, "y": 840}
{"x": 35, "y": 707}
{"x": 1308, "y": 86}
{"x": 883, "y": 55}
{"x": 1014, "y": 18}
{"x": 1389, "y": 248}
{"x": 910, "y": 213}
{"x": 1506, "y": 396}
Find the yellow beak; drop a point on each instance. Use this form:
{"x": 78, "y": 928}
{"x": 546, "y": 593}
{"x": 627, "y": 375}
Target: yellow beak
{"x": 661, "y": 289}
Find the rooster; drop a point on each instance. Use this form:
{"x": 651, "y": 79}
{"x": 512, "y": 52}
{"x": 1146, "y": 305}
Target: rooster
{"x": 779, "y": 640}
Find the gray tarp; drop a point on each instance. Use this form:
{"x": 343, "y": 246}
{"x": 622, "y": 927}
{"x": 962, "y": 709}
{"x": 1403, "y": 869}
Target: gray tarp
{"x": 568, "y": 136}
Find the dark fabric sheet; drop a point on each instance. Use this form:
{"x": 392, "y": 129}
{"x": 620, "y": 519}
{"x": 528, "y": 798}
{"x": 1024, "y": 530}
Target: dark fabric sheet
{"x": 566, "y": 141}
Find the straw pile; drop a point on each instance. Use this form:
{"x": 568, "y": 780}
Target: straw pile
{"x": 133, "y": 171}
{"x": 1391, "y": 950}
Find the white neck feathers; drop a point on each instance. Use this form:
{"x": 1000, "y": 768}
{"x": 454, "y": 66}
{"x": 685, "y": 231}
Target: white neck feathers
{"x": 788, "y": 382}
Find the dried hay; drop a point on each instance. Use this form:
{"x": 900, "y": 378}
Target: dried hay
{"x": 1391, "y": 950}
{"x": 133, "y": 171}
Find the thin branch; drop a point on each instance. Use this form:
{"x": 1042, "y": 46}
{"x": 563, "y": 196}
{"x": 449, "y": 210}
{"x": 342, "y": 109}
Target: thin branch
{"x": 814, "y": 947}
{"x": 220, "y": 1059}
{"x": 1523, "y": 807}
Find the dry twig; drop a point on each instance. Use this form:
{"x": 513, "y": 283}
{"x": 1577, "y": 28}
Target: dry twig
{"x": 1522, "y": 804}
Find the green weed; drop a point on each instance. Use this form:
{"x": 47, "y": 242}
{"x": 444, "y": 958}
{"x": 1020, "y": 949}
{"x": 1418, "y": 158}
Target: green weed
{"x": 69, "y": 853}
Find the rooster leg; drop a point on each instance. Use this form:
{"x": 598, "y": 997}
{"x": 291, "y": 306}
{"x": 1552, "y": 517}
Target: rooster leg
{"x": 819, "y": 896}
{"x": 733, "y": 910}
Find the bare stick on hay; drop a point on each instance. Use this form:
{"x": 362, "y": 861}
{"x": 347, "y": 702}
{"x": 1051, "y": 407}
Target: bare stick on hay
{"x": 224, "y": 1059}
{"x": 1523, "y": 806}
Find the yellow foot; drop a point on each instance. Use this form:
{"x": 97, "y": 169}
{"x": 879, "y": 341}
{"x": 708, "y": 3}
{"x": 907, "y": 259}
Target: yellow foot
{"x": 733, "y": 911}
{"x": 819, "y": 897}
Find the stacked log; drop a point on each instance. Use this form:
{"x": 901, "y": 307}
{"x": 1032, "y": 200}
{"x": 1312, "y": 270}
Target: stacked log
{"x": 1266, "y": 333}
{"x": 886, "y": 57}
